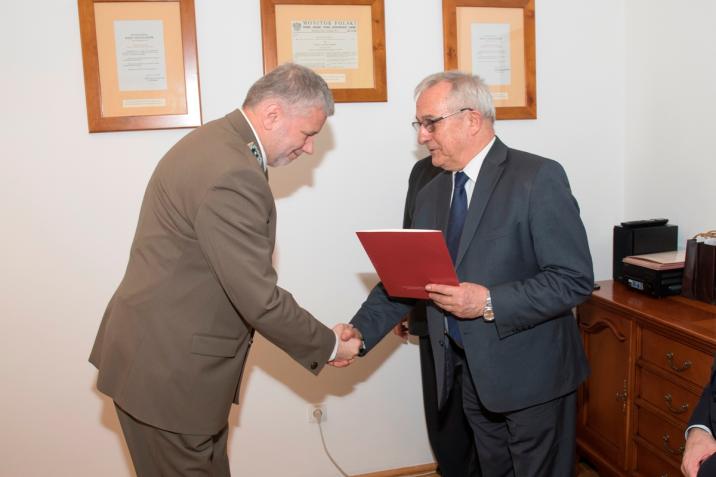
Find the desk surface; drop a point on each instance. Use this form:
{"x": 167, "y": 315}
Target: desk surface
{"x": 690, "y": 318}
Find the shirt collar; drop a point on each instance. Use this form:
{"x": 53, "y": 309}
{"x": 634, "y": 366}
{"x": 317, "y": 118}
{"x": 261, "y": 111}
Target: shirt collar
{"x": 262, "y": 152}
{"x": 472, "y": 169}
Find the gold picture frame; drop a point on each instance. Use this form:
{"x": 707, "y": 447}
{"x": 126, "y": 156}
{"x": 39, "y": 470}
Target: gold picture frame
{"x": 496, "y": 40}
{"x": 140, "y": 64}
{"x": 330, "y": 37}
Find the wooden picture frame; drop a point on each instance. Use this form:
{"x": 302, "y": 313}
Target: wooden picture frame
{"x": 330, "y": 37}
{"x": 140, "y": 64}
{"x": 495, "y": 39}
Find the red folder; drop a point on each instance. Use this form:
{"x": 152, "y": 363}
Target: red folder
{"x": 407, "y": 260}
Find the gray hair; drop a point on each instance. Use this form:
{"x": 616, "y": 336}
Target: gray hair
{"x": 467, "y": 91}
{"x": 293, "y": 84}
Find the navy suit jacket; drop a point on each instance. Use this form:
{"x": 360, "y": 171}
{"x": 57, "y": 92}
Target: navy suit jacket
{"x": 524, "y": 240}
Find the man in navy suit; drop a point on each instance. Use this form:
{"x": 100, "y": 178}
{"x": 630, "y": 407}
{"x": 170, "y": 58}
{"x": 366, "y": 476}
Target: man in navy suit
{"x": 700, "y": 446}
{"x": 505, "y": 337}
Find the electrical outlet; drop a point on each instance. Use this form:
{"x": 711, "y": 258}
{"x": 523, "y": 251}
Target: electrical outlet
{"x": 317, "y": 413}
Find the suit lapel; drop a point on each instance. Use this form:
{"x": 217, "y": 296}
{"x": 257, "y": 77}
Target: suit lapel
{"x": 442, "y": 202}
{"x": 490, "y": 173}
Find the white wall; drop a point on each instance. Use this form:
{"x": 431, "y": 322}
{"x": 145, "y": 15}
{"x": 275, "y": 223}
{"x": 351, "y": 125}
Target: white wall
{"x": 70, "y": 201}
{"x": 671, "y": 159}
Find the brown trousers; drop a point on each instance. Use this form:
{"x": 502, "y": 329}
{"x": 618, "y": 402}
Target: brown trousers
{"x": 159, "y": 453}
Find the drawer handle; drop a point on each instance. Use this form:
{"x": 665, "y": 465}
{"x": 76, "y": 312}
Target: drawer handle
{"x": 681, "y": 409}
{"x": 678, "y": 369}
{"x": 622, "y": 396}
{"x": 668, "y": 449}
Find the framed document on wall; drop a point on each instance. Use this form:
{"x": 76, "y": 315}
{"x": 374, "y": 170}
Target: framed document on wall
{"x": 140, "y": 64}
{"x": 341, "y": 40}
{"x": 495, "y": 39}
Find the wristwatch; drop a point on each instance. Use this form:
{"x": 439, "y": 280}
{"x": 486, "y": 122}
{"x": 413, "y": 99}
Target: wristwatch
{"x": 487, "y": 313}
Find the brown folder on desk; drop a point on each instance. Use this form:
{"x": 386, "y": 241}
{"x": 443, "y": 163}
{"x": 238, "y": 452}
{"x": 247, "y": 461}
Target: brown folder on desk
{"x": 671, "y": 260}
{"x": 407, "y": 260}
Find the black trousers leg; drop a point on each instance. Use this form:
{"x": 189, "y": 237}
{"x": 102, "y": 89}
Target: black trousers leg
{"x": 538, "y": 441}
{"x": 449, "y": 433}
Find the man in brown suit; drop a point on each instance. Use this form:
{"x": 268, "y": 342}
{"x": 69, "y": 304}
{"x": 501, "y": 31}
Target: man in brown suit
{"x": 173, "y": 341}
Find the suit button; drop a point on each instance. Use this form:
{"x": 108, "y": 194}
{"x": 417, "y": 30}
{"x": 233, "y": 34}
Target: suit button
{"x": 314, "y": 365}
{"x": 441, "y": 343}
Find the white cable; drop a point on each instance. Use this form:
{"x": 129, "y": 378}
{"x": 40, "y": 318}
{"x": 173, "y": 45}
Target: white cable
{"x": 318, "y": 414}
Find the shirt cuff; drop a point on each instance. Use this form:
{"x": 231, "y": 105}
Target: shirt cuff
{"x": 335, "y": 351}
{"x": 697, "y": 426}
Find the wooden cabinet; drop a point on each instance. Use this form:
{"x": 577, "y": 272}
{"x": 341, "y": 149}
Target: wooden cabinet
{"x": 604, "y": 398}
{"x": 650, "y": 359}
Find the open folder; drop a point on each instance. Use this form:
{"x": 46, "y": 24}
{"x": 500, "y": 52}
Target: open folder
{"x": 407, "y": 260}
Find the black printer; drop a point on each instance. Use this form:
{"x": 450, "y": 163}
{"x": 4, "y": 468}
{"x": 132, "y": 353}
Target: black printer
{"x": 640, "y": 237}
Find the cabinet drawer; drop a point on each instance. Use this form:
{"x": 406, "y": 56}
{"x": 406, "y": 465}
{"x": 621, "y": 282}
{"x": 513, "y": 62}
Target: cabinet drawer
{"x": 667, "y": 396}
{"x": 666, "y": 437}
{"x": 676, "y": 358}
{"x": 649, "y": 465}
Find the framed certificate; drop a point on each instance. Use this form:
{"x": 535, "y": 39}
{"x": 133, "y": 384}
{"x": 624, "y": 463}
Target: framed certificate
{"x": 140, "y": 64}
{"x": 495, "y": 39}
{"x": 341, "y": 40}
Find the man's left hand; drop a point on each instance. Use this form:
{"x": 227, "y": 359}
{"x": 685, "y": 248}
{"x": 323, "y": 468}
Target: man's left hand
{"x": 466, "y": 300}
{"x": 401, "y": 329}
{"x": 700, "y": 445}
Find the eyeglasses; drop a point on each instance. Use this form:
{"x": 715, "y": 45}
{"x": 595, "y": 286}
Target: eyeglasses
{"x": 429, "y": 124}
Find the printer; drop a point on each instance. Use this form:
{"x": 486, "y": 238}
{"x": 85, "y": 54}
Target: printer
{"x": 639, "y": 237}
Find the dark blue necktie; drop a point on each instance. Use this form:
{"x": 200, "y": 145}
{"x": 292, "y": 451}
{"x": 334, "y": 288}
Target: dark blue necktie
{"x": 458, "y": 212}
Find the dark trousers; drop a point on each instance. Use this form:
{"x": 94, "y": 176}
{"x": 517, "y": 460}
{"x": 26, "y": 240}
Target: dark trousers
{"x": 708, "y": 467}
{"x": 159, "y": 453}
{"x": 449, "y": 432}
{"x": 539, "y": 441}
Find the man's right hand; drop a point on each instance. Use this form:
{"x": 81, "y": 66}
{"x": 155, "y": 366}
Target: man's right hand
{"x": 700, "y": 445}
{"x": 349, "y": 342}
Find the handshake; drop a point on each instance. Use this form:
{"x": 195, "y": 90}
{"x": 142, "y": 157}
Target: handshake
{"x": 349, "y": 341}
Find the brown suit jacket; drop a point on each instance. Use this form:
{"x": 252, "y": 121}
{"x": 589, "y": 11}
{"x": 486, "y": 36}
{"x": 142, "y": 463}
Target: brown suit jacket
{"x": 174, "y": 338}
